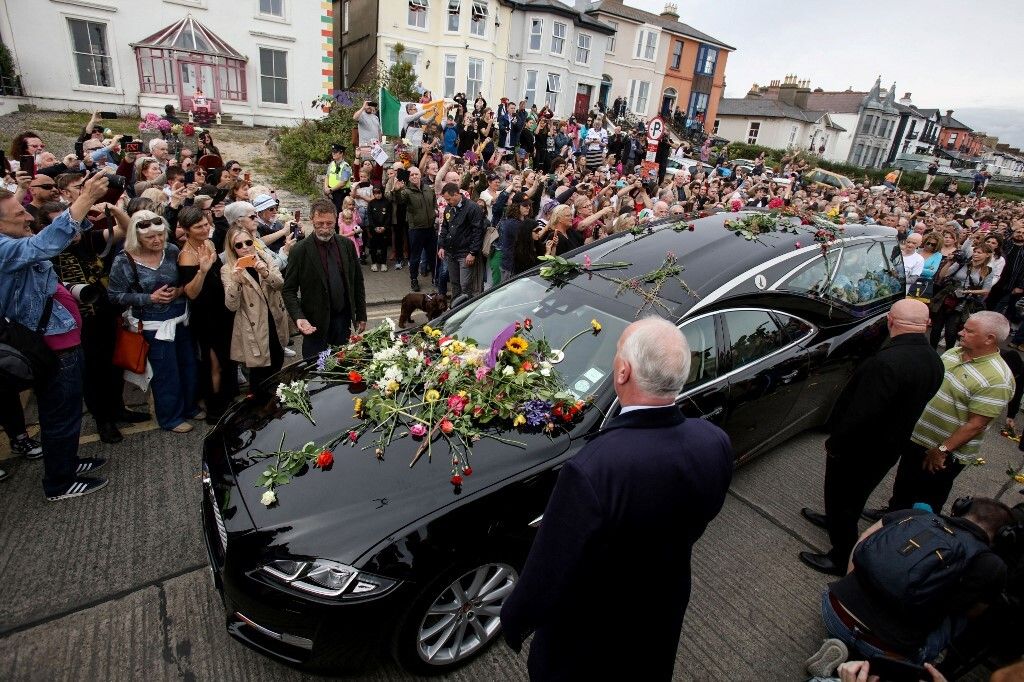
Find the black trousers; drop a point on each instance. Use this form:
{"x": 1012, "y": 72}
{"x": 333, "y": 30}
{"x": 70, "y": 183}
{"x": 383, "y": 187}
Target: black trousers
{"x": 914, "y": 484}
{"x": 12, "y": 417}
{"x": 336, "y": 334}
{"x": 849, "y": 481}
{"x": 259, "y": 375}
{"x": 103, "y": 383}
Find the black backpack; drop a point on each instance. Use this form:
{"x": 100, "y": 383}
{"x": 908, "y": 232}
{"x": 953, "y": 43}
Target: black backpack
{"x": 25, "y": 359}
{"x": 917, "y": 562}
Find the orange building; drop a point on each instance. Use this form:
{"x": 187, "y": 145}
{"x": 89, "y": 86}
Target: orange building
{"x": 694, "y": 76}
{"x": 957, "y": 137}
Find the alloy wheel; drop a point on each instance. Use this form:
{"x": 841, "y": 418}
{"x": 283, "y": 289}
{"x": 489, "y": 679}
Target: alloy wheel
{"x": 465, "y": 615}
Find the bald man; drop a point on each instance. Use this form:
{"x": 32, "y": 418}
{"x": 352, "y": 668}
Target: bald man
{"x": 871, "y": 424}
{"x": 646, "y": 486}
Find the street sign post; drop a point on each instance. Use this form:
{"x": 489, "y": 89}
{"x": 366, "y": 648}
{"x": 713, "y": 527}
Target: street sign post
{"x": 655, "y": 131}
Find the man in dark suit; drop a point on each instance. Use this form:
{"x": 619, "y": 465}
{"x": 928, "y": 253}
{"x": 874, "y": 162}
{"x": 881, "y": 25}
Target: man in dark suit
{"x": 323, "y": 285}
{"x": 873, "y": 418}
{"x": 461, "y": 241}
{"x": 636, "y": 498}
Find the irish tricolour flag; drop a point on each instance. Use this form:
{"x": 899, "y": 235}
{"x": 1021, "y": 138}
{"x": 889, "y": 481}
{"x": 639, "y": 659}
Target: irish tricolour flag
{"x": 395, "y": 115}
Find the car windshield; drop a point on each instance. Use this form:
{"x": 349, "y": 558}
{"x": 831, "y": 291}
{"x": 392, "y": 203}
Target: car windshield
{"x": 845, "y": 182}
{"x": 558, "y": 314}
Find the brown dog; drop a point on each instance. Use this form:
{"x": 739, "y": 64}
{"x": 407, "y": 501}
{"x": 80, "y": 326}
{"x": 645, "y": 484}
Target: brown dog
{"x": 432, "y": 304}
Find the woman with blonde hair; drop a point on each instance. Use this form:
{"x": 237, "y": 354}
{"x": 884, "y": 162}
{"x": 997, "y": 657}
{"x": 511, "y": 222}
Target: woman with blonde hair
{"x": 563, "y": 236}
{"x": 148, "y": 174}
{"x": 145, "y": 277}
{"x": 252, "y": 290}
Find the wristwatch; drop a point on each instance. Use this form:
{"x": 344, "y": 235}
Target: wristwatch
{"x": 943, "y": 449}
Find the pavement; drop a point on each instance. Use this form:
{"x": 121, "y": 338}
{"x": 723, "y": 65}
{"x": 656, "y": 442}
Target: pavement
{"x": 116, "y": 586}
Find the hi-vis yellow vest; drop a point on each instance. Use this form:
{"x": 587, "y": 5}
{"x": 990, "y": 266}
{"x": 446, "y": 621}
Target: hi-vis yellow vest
{"x": 339, "y": 176}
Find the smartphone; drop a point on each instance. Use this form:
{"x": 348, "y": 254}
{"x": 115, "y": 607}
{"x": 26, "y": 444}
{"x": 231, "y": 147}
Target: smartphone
{"x": 79, "y": 151}
{"x": 894, "y": 670}
{"x": 133, "y": 148}
{"x": 125, "y": 139}
{"x": 246, "y": 262}
{"x": 28, "y": 164}
{"x": 108, "y": 114}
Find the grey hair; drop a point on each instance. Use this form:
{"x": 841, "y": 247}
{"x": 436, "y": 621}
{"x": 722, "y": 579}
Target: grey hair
{"x": 131, "y": 240}
{"x": 156, "y": 142}
{"x": 994, "y": 323}
{"x": 659, "y": 356}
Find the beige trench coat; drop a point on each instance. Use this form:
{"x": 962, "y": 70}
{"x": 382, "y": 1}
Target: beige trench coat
{"x": 250, "y": 339}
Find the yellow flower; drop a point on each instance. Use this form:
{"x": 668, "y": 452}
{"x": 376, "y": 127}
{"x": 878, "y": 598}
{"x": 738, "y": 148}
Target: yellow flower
{"x": 519, "y": 420}
{"x": 436, "y": 333}
{"x": 428, "y": 330}
{"x": 457, "y": 347}
{"x": 517, "y": 345}
{"x": 596, "y": 325}
{"x": 359, "y": 404}
{"x": 392, "y": 386}
{"x": 445, "y": 361}
{"x": 431, "y": 395}
{"x": 1019, "y": 478}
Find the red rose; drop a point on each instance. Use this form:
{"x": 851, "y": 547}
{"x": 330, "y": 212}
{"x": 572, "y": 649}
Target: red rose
{"x": 447, "y": 427}
{"x": 353, "y": 436}
{"x": 456, "y": 480}
{"x": 443, "y": 378}
{"x": 528, "y": 324}
{"x": 527, "y": 366}
{"x": 324, "y": 460}
{"x": 355, "y": 377}
{"x": 404, "y": 338}
{"x": 468, "y": 471}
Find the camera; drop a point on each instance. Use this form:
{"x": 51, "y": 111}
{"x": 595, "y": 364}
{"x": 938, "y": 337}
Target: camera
{"x": 402, "y": 174}
{"x": 134, "y": 147}
{"x": 86, "y": 294}
{"x": 959, "y": 257}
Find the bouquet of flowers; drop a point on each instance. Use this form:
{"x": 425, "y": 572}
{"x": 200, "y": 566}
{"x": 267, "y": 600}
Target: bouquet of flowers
{"x": 437, "y": 389}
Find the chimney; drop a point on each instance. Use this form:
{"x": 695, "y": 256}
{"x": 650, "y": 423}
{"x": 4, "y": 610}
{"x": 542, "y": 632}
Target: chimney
{"x": 787, "y": 92}
{"x": 905, "y": 100}
{"x": 949, "y": 113}
{"x": 802, "y": 93}
{"x": 754, "y": 91}
{"x": 671, "y": 11}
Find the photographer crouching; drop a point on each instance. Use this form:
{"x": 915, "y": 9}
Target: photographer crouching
{"x": 31, "y": 296}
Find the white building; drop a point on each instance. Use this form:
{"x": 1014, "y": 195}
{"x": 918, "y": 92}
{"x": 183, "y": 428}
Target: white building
{"x": 783, "y": 123}
{"x": 557, "y": 57}
{"x": 260, "y": 61}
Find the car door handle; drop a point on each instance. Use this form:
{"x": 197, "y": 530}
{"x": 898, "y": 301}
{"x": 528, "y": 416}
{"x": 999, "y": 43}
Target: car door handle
{"x": 786, "y": 378}
{"x": 712, "y": 414}
{"x": 536, "y": 522}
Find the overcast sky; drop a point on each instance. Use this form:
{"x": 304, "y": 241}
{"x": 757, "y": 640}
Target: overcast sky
{"x": 916, "y": 43}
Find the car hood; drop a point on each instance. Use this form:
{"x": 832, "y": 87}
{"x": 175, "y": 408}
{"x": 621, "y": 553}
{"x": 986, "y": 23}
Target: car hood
{"x": 362, "y": 499}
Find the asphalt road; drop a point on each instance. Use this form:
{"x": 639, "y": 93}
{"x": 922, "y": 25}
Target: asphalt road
{"x": 115, "y": 585}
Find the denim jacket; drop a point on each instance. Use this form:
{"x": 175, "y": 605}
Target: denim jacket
{"x": 27, "y": 277}
{"x": 122, "y": 286}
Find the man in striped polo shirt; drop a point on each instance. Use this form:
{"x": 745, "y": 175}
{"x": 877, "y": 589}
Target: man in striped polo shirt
{"x": 975, "y": 389}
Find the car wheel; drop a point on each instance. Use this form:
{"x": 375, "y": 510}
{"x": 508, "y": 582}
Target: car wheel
{"x": 455, "y": 617}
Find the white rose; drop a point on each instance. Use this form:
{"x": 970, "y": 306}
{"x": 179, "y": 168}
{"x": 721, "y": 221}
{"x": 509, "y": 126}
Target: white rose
{"x": 508, "y": 371}
{"x": 268, "y": 499}
{"x": 546, "y": 372}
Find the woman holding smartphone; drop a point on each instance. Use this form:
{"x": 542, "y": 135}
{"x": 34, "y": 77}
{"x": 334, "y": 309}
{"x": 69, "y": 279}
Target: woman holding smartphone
{"x": 252, "y": 290}
{"x": 145, "y": 277}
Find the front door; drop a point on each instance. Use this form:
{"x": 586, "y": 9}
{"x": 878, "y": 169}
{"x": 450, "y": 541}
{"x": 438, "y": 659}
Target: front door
{"x": 582, "y": 102}
{"x": 606, "y": 89}
{"x": 668, "y": 103}
{"x": 193, "y": 76}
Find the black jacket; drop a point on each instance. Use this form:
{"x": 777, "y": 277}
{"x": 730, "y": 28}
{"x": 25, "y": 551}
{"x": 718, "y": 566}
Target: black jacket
{"x": 462, "y": 231}
{"x": 877, "y": 410}
{"x": 643, "y": 490}
{"x": 305, "y": 283}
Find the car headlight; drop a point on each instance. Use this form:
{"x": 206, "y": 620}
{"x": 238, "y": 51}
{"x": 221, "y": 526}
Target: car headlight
{"x": 326, "y": 578}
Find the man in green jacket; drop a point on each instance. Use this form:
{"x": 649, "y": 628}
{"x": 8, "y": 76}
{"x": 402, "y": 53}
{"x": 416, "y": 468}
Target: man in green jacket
{"x": 420, "y": 210}
{"x": 323, "y": 286}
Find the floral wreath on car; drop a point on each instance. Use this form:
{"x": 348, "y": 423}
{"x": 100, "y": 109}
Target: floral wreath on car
{"x": 437, "y": 389}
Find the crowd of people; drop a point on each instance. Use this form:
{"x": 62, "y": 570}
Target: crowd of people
{"x": 176, "y": 251}
{"x": 176, "y": 245}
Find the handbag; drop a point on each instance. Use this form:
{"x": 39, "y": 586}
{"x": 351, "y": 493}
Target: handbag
{"x": 922, "y": 290}
{"x": 130, "y": 347}
{"x": 25, "y": 359}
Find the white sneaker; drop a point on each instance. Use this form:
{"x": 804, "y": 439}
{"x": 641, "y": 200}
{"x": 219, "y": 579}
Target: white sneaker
{"x": 398, "y": 265}
{"x": 384, "y": 268}
{"x": 288, "y": 352}
{"x": 373, "y": 267}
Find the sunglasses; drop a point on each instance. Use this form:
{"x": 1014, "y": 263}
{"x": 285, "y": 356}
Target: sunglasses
{"x": 145, "y": 224}
{"x": 235, "y": 169}
{"x": 243, "y": 244}
{"x": 43, "y": 186}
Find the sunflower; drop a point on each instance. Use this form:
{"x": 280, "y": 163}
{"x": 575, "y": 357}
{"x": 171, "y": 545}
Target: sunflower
{"x": 431, "y": 395}
{"x": 596, "y": 325}
{"x": 517, "y": 345}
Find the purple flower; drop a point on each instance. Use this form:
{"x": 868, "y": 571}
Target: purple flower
{"x": 321, "y": 359}
{"x": 537, "y": 412}
{"x": 498, "y": 344}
